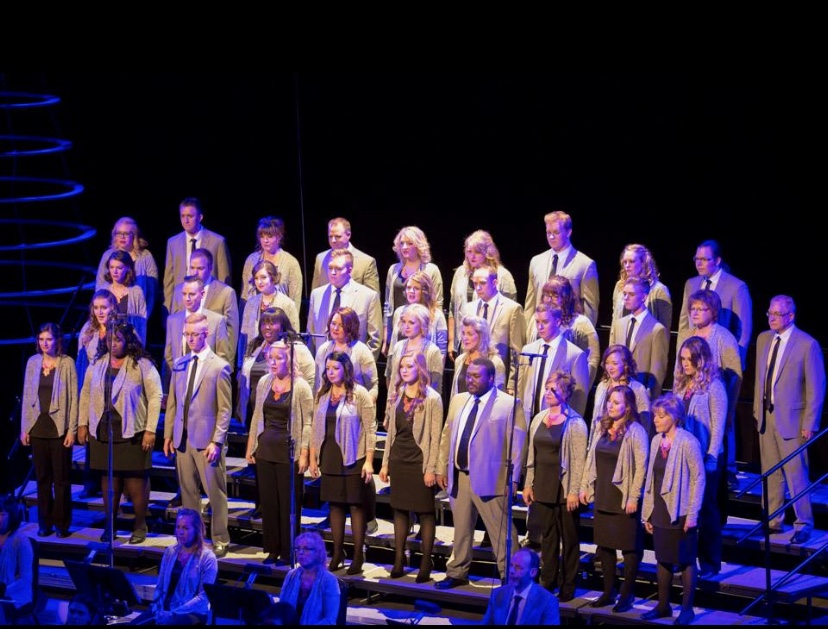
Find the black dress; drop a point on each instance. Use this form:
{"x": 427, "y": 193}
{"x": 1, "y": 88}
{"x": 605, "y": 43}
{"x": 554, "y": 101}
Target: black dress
{"x": 670, "y": 542}
{"x": 405, "y": 466}
{"x": 340, "y": 483}
{"x": 613, "y": 527}
{"x": 461, "y": 378}
{"x": 128, "y": 455}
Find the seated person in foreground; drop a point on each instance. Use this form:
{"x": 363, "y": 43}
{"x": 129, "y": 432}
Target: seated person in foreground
{"x": 311, "y": 588}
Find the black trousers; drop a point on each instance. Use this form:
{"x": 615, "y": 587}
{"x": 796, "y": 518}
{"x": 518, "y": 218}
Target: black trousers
{"x": 560, "y": 546}
{"x": 274, "y": 505}
{"x": 52, "y": 466}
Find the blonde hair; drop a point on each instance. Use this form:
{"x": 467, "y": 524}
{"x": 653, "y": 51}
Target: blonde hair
{"x": 418, "y": 239}
{"x": 482, "y": 242}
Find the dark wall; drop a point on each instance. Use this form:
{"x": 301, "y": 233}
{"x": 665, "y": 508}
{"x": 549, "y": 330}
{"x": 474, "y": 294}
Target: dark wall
{"x": 663, "y": 159}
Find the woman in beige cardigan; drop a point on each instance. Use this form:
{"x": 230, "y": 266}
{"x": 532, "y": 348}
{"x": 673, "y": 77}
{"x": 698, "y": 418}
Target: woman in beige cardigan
{"x": 343, "y": 440}
{"x": 281, "y": 419}
{"x": 613, "y": 480}
{"x": 49, "y": 423}
{"x": 414, "y": 416}
{"x": 673, "y": 495}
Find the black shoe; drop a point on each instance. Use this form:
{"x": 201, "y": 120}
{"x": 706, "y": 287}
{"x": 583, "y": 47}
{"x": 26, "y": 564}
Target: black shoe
{"x": 105, "y": 536}
{"x": 44, "y": 531}
{"x": 655, "y": 613}
{"x": 336, "y": 563}
{"x": 450, "y": 582}
{"x": 423, "y": 576}
{"x": 603, "y": 600}
{"x": 354, "y": 568}
{"x": 624, "y": 604}
{"x": 175, "y": 502}
{"x": 271, "y": 558}
{"x": 801, "y": 536}
{"x": 89, "y": 492}
{"x": 685, "y": 617}
{"x": 397, "y": 572}
{"x": 372, "y": 527}
{"x": 256, "y": 514}
{"x": 137, "y": 537}
{"x": 220, "y": 550}
{"x": 566, "y": 596}
{"x": 63, "y": 533}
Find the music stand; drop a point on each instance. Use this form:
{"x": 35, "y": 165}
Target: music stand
{"x": 109, "y": 587}
{"x": 243, "y": 604}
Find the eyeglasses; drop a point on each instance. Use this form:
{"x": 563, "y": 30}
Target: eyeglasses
{"x": 193, "y": 335}
{"x": 123, "y": 234}
{"x": 700, "y": 259}
{"x": 305, "y": 549}
{"x": 777, "y": 315}
{"x": 699, "y": 309}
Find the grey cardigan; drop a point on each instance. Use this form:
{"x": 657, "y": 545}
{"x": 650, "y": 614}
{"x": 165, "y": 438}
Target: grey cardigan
{"x": 136, "y": 395}
{"x": 683, "y": 484}
{"x": 356, "y": 425}
{"x": 301, "y": 409}
{"x": 427, "y": 429}
{"x": 573, "y": 450}
{"x": 706, "y": 417}
{"x": 629, "y": 470}
{"x": 63, "y": 407}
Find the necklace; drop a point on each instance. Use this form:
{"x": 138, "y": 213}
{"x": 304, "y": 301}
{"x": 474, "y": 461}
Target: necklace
{"x": 47, "y": 368}
{"x": 665, "y": 446}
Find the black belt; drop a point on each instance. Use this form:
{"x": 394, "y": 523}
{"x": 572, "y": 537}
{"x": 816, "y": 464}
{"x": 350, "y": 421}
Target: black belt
{"x": 466, "y": 472}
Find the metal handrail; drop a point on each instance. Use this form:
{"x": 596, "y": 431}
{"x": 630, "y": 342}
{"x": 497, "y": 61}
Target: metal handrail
{"x": 787, "y": 577}
{"x": 781, "y": 509}
{"x": 764, "y": 475}
{"x": 770, "y": 589}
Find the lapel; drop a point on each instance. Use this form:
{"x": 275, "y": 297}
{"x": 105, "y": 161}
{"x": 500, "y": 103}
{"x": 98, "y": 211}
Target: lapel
{"x": 572, "y": 253}
{"x": 783, "y": 359}
{"x": 484, "y": 412}
{"x": 201, "y": 373}
{"x": 645, "y": 328}
{"x": 559, "y": 356}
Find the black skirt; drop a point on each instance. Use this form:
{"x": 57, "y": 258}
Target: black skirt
{"x": 674, "y": 545}
{"x": 127, "y": 456}
{"x": 408, "y": 491}
{"x": 618, "y": 530}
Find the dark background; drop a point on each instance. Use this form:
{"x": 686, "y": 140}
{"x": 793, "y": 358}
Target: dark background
{"x": 663, "y": 159}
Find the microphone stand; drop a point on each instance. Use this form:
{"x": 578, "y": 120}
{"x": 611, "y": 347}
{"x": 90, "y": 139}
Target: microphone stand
{"x": 292, "y": 449}
{"x": 510, "y": 472}
{"x": 110, "y": 514}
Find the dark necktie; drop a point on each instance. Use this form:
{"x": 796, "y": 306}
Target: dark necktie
{"x": 707, "y": 283}
{"x": 630, "y": 331}
{"x": 190, "y": 385}
{"x": 539, "y": 383}
{"x": 486, "y": 312}
{"x": 463, "y": 449}
{"x": 769, "y": 375}
{"x": 335, "y": 305}
{"x": 554, "y": 265}
{"x": 513, "y": 613}
{"x": 192, "y": 245}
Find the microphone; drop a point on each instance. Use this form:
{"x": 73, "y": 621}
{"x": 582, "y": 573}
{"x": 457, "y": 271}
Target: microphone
{"x": 290, "y": 336}
{"x": 311, "y": 335}
{"x": 531, "y": 355}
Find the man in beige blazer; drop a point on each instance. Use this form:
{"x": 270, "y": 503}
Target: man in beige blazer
{"x": 364, "y": 266}
{"x": 218, "y": 297}
{"x": 481, "y": 425}
{"x": 195, "y": 427}
{"x": 364, "y": 301}
{"x": 507, "y": 327}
